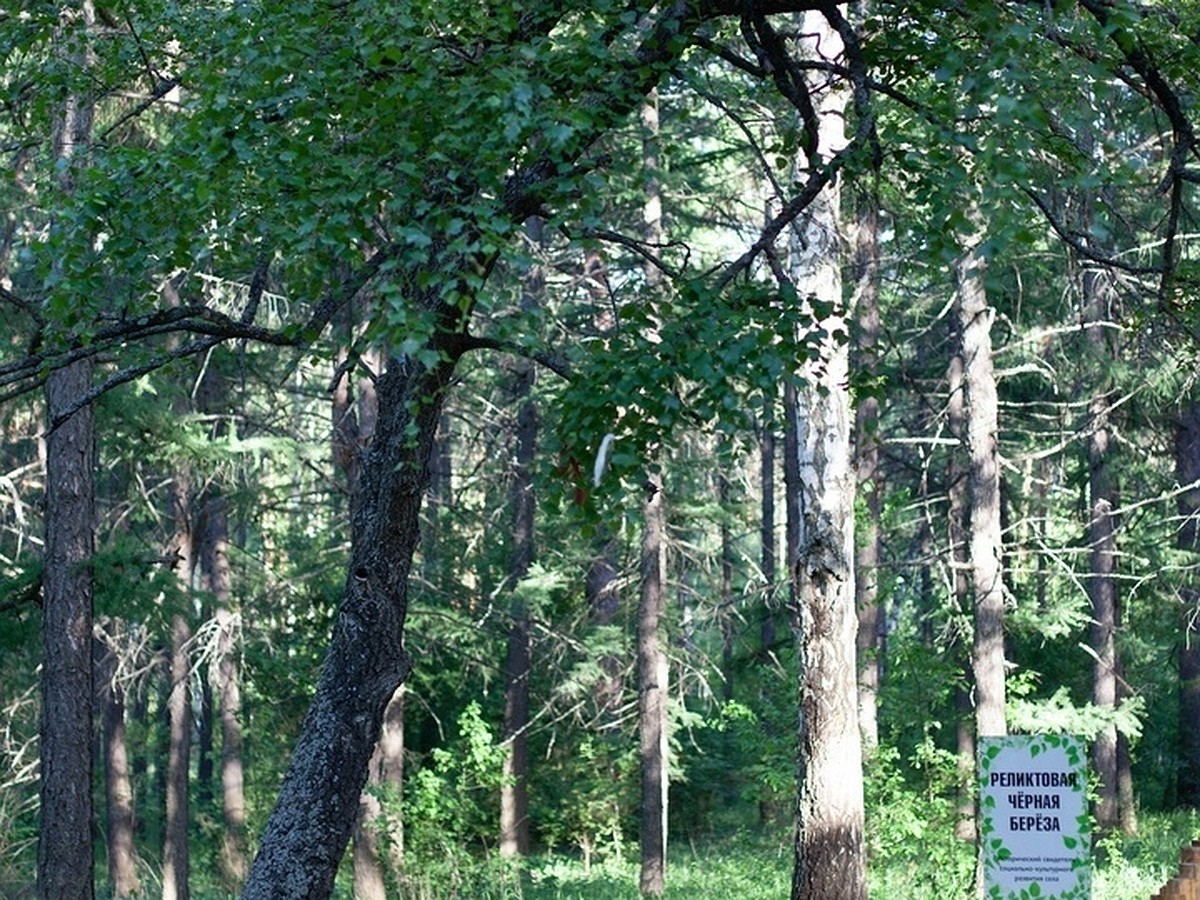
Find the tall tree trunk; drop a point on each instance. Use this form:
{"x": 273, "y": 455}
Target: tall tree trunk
{"x": 866, "y": 457}
{"x": 1187, "y": 462}
{"x": 223, "y": 675}
{"x": 228, "y": 695}
{"x": 65, "y": 834}
{"x": 118, "y": 788}
{"x": 64, "y": 867}
{"x": 653, "y": 680}
{"x": 982, "y": 410}
{"x": 514, "y": 800}
{"x": 176, "y": 862}
{"x": 1102, "y": 541}
{"x": 829, "y": 851}
{"x": 958, "y": 538}
{"x": 653, "y": 675}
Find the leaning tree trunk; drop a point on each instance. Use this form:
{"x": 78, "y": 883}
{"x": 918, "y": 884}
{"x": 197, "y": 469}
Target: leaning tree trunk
{"x": 64, "y": 867}
{"x": 307, "y": 833}
{"x": 829, "y": 851}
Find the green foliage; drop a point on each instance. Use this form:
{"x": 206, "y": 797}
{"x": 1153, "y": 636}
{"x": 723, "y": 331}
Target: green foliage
{"x": 450, "y": 802}
{"x": 689, "y": 359}
{"x": 911, "y": 826}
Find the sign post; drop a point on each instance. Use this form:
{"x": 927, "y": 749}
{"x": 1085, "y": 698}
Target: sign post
{"x": 1035, "y": 827}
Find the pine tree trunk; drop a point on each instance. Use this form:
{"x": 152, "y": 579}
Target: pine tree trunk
{"x": 653, "y": 676}
{"x": 65, "y": 835}
{"x": 1102, "y": 584}
{"x": 224, "y": 676}
{"x": 829, "y": 852}
{"x": 958, "y": 538}
{"x": 227, "y": 689}
{"x": 64, "y": 867}
{"x": 175, "y": 858}
{"x": 176, "y": 861}
{"x": 118, "y": 788}
{"x": 514, "y": 801}
{"x": 982, "y": 411}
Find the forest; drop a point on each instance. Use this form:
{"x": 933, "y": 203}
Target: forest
{"x": 600, "y": 449}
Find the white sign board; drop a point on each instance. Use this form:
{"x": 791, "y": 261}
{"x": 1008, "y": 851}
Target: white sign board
{"x": 1035, "y": 827}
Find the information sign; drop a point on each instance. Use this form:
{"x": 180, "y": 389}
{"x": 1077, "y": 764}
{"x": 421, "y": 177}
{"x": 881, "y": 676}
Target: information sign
{"x": 1035, "y": 826}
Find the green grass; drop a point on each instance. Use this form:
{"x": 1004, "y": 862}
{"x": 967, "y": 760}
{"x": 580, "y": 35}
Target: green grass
{"x": 746, "y": 870}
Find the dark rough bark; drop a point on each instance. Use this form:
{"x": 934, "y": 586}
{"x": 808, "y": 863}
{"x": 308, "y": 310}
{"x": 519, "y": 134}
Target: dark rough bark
{"x": 652, "y": 694}
{"x": 354, "y": 419}
{"x": 1187, "y": 462}
{"x": 118, "y": 788}
{"x": 176, "y": 860}
{"x": 982, "y": 412}
{"x": 65, "y": 836}
{"x": 64, "y": 866}
{"x": 307, "y": 833}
